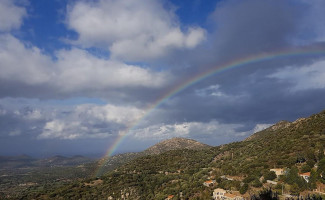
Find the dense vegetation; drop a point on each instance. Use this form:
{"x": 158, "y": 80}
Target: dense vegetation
{"x": 298, "y": 147}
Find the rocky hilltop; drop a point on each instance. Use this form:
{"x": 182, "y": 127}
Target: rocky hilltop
{"x": 174, "y": 144}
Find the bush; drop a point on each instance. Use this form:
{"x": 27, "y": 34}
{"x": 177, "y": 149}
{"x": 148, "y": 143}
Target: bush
{"x": 305, "y": 168}
{"x": 270, "y": 175}
{"x": 256, "y": 183}
{"x": 243, "y": 189}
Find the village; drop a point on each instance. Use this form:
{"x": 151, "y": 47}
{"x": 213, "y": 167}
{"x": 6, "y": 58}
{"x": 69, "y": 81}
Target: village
{"x": 223, "y": 194}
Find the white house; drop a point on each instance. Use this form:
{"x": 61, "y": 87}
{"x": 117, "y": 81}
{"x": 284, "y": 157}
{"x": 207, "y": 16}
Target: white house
{"x": 219, "y": 193}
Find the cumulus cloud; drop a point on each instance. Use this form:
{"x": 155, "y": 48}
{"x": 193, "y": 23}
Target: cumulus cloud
{"x": 91, "y": 121}
{"x": 11, "y": 15}
{"x": 306, "y": 77}
{"x": 21, "y": 63}
{"x": 73, "y": 71}
{"x": 131, "y": 30}
{"x": 78, "y": 69}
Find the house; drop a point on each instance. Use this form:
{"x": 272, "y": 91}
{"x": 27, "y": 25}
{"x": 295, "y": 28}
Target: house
{"x": 226, "y": 178}
{"x": 306, "y": 176}
{"x": 278, "y": 171}
{"x": 271, "y": 182}
{"x": 169, "y": 197}
{"x": 229, "y": 196}
{"x": 219, "y": 193}
{"x": 209, "y": 183}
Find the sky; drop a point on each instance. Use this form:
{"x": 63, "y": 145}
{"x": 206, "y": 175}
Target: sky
{"x": 78, "y": 77}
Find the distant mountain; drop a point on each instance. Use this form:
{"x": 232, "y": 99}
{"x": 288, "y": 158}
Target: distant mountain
{"x": 173, "y": 144}
{"x": 27, "y": 161}
{"x": 64, "y": 161}
{"x": 16, "y": 161}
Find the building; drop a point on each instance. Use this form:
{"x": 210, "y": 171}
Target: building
{"x": 209, "y": 183}
{"x": 306, "y": 176}
{"x": 229, "y": 196}
{"x": 278, "y": 171}
{"x": 226, "y": 178}
{"x": 219, "y": 193}
{"x": 271, "y": 182}
{"x": 169, "y": 197}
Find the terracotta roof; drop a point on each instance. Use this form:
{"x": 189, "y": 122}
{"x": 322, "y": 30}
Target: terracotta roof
{"x": 170, "y": 196}
{"x": 305, "y": 174}
{"x": 230, "y": 195}
{"x": 208, "y": 181}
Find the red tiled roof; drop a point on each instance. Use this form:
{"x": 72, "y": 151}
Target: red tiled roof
{"x": 305, "y": 174}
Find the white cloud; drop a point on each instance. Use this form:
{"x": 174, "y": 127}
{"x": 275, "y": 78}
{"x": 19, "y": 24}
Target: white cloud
{"x": 11, "y": 16}
{"x": 91, "y": 121}
{"x": 78, "y": 69}
{"x": 132, "y": 30}
{"x": 306, "y": 77}
{"x": 212, "y": 90}
{"x": 24, "y": 64}
{"x": 111, "y": 113}
{"x": 260, "y": 127}
{"x": 212, "y": 129}
{"x": 74, "y": 70}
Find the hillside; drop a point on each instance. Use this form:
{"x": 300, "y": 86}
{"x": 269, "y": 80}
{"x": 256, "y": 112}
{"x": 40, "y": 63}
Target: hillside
{"x": 295, "y": 146}
{"x": 167, "y": 145}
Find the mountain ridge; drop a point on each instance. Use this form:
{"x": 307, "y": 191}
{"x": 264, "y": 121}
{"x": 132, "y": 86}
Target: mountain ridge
{"x": 174, "y": 143}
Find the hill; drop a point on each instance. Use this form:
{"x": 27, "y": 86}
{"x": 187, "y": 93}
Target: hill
{"x": 173, "y": 144}
{"x": 166, "y": 145}
{"x": 293, "y": 146}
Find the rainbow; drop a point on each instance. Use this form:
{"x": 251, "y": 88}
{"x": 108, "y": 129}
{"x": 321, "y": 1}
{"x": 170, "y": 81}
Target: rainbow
{"x": 204, "y": 75}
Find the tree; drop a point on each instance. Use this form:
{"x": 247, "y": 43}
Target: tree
{"x": 266, "y": 194}
{"x": 292, "y": 176}
{"x": 270, "y": 175}
{"x": 311, "y": 163}
{"x": 256, "y": 183}
{"x": 312, "y": 180}
{"x": 294, "y": 189}
{"x": 243, "y": 189}
{"x": 320, "y": 153}
{"x": 305, "y": 168}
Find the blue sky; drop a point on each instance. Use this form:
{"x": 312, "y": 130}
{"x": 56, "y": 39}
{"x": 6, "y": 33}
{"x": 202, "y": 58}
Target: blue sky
{"x": 76, "y": 75}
